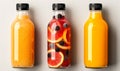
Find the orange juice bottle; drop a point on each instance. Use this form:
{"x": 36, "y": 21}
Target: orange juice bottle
{"x": 95, "y": 38}
{"x": 22, "y": 38}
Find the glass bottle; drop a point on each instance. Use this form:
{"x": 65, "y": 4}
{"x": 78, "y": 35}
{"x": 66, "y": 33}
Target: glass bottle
{"x": 22, "y": 38}
{"x": 95, "y": 38}
{"x": 59, "y": 38}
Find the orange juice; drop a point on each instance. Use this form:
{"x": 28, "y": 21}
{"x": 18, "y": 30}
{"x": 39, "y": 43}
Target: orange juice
{"x": 22, "y": 38}
{"x": 95, "y": 39}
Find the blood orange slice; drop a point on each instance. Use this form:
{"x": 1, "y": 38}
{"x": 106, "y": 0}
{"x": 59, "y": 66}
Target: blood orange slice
{"x": 55, "y": 32}
{"x": 63, "y": 45}
{"x": 55, "y": 59}
{"x": 67, "y": 35}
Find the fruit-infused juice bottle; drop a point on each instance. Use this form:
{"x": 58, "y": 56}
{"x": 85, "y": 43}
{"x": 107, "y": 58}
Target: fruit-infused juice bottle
{"x": 22, "y": 38}
{"x": 59, "y": 38}
{"x": 95, "y": 38}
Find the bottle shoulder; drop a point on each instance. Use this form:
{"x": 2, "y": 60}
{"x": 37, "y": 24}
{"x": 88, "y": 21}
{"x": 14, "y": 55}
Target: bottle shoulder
{"x": 61, "y": 23}
{"x": 22, "y": 22}
{"x": 58, "y": 21}
{"x": 96, "y": 23}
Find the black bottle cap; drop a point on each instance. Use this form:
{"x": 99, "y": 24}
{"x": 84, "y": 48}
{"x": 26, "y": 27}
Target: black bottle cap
{"x": 58, "y": 6}
{"x": 22, "y": 6}
{"x": 95, "y": 6}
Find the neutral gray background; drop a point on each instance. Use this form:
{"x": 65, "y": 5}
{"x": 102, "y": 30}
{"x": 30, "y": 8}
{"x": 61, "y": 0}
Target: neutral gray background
{"x": 77, "y": 13}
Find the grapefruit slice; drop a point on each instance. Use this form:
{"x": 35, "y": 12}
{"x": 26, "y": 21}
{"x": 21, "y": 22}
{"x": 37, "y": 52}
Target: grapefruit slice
{"x": 57, "y": 61}
{"x": 53, "y": 36}
{"x": 55, "y": 32}
{"x": 67, "y": 35}
{"x": 63, "y": 45}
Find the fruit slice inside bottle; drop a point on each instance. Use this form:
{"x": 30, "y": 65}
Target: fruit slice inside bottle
{"x": 55, "y": 59}
{"x": 55, "y": 32}
{"x": 67, "y": 35}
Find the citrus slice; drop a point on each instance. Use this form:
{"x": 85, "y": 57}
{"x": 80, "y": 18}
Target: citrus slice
{"x": 56, "y": 60}
{"x": 55, "y": 32}
{"x": 53, "y": 36}
{"x": 63, "y": 45}
{"x": 67, "y": 35}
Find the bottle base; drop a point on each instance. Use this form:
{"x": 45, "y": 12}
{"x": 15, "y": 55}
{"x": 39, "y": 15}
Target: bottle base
{"x": 61, "y": 67}
{"x": 20, "y": 66}
{"x": 96, "y": 67}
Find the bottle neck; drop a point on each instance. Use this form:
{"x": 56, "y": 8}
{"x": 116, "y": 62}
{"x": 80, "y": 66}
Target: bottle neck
{"x": 96, "y": 14}
{"x": 58, "y": 13}
{"x": 23, "y": 14}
